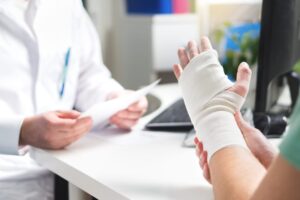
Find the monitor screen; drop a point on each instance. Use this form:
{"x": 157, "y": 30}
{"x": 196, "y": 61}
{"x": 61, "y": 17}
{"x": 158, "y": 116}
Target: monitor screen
{"x": 279, "y": 50}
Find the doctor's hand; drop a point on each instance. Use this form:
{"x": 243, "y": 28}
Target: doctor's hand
{"x": 54, "y": 130}
{"x": 129, "y": 117}
{"x": 257, "y": 143}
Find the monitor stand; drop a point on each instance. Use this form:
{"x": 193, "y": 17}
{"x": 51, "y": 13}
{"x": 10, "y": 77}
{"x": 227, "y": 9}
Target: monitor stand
{"x": 273, "y": 124}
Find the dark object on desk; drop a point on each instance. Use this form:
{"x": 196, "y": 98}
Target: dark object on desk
{"x": 279, "y": 51}
{"x": 272, "y": 126}
{"x": 173, "y": 118}
{"x": 154, "y": 103}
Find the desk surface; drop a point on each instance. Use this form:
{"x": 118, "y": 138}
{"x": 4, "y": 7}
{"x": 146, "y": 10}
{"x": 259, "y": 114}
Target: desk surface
{"x": 139, "y": 165}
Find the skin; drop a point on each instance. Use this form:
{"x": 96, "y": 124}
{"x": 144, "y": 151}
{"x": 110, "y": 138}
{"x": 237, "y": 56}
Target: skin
{"x": 58, "y": 129}
{"x": 235, "y": 173}
{"x": 54, "y": 130}
{"x": 129, "y": 117}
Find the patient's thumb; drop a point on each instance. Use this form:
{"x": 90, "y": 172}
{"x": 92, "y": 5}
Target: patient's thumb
{"x": 243, "y": 79}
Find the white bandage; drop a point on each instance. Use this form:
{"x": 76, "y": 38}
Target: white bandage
{"x": 210, "y": 106}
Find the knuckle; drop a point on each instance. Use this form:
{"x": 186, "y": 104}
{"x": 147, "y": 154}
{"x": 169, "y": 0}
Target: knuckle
{"x": 242, "y": 89}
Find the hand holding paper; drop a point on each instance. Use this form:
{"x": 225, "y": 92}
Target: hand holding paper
{"x": 101, "y": 112}
{"x": 129, "y": 117}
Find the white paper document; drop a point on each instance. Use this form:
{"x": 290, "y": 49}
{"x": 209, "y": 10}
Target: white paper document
{"x": 102, "y": 111}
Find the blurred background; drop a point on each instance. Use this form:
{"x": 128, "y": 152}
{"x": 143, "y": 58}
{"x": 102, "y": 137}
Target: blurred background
{"x": 140, "y": 38}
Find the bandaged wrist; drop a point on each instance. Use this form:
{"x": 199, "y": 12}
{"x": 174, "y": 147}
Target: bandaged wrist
{"x": 210, "y": 106}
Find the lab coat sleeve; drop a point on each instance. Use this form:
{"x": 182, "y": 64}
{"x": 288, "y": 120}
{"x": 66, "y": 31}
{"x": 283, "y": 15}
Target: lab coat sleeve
{"x": 9, "y": 135}
{"x": 95, "y": 81}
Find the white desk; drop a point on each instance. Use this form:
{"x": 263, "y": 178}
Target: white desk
{"x": 140, "y": 165}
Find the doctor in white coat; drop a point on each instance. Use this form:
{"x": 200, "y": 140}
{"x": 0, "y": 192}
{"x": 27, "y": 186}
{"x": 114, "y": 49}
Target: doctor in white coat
{"x": 49, "y": 61}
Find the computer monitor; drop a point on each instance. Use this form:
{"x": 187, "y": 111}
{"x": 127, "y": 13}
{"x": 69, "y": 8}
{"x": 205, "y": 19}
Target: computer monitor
{"x": 279, "y": 50}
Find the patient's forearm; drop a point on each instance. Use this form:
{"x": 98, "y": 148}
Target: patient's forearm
{"x": 235, "y": 173}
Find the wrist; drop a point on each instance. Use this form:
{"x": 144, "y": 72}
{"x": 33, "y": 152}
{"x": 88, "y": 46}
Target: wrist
{"x": 219, "y": 130}
{"x": 24, "y": 131}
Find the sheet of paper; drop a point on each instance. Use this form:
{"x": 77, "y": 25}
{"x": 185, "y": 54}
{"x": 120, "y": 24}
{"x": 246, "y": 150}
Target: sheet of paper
{"x": 102, "y": 111}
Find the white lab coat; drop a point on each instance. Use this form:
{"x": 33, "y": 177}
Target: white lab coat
{"x": 32, "y": 55}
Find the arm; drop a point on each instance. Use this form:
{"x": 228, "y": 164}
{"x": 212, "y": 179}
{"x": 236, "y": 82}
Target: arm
{"x": 281, "y": 182}
{"x": 10, "y": 126}
{"x": 235, "y": 172}
{"x": 95, "y": 81}
{"x": 212, "y": 114}
{"x": 283, "y": 178}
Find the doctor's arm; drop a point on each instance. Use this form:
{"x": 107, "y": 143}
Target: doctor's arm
{"x": 95, "y": 81}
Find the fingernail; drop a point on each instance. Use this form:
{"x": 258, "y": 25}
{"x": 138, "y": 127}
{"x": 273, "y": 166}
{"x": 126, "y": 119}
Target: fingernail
{"x": 245, "y": 64}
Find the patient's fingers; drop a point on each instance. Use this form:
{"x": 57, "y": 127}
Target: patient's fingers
{"x": 183, "y": 57}
{"x": 177, "y": 69}
{"x": 205, "y": 44}
{"x": 193, "y": 49}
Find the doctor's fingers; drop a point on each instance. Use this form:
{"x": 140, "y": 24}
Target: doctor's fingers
{"x": 140, "y": 106}
{"x": 72, "y": 139}
{"x": 64, "y": 140}
{"x": 60, "y": 119}
{"x": 67, "y": 129}
{"x": 72, "y": 114}
{"x": 123, "y": 123}
{"x": 126, "y": 114}
{"x": 76, "y": 134}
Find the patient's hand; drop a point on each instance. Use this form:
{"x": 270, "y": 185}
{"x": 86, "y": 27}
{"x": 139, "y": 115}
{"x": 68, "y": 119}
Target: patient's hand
{"x": 210, "y": 97}
{"x": 241, "y": 86}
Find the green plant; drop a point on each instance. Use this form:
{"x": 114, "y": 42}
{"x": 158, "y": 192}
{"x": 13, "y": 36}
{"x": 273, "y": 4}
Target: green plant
{"x": 248, "y": 50}
{"x": 297, "y": 67}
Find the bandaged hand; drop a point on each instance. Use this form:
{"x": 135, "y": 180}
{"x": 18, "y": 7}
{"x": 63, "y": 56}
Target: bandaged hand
{"x": 210, "y": 97}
